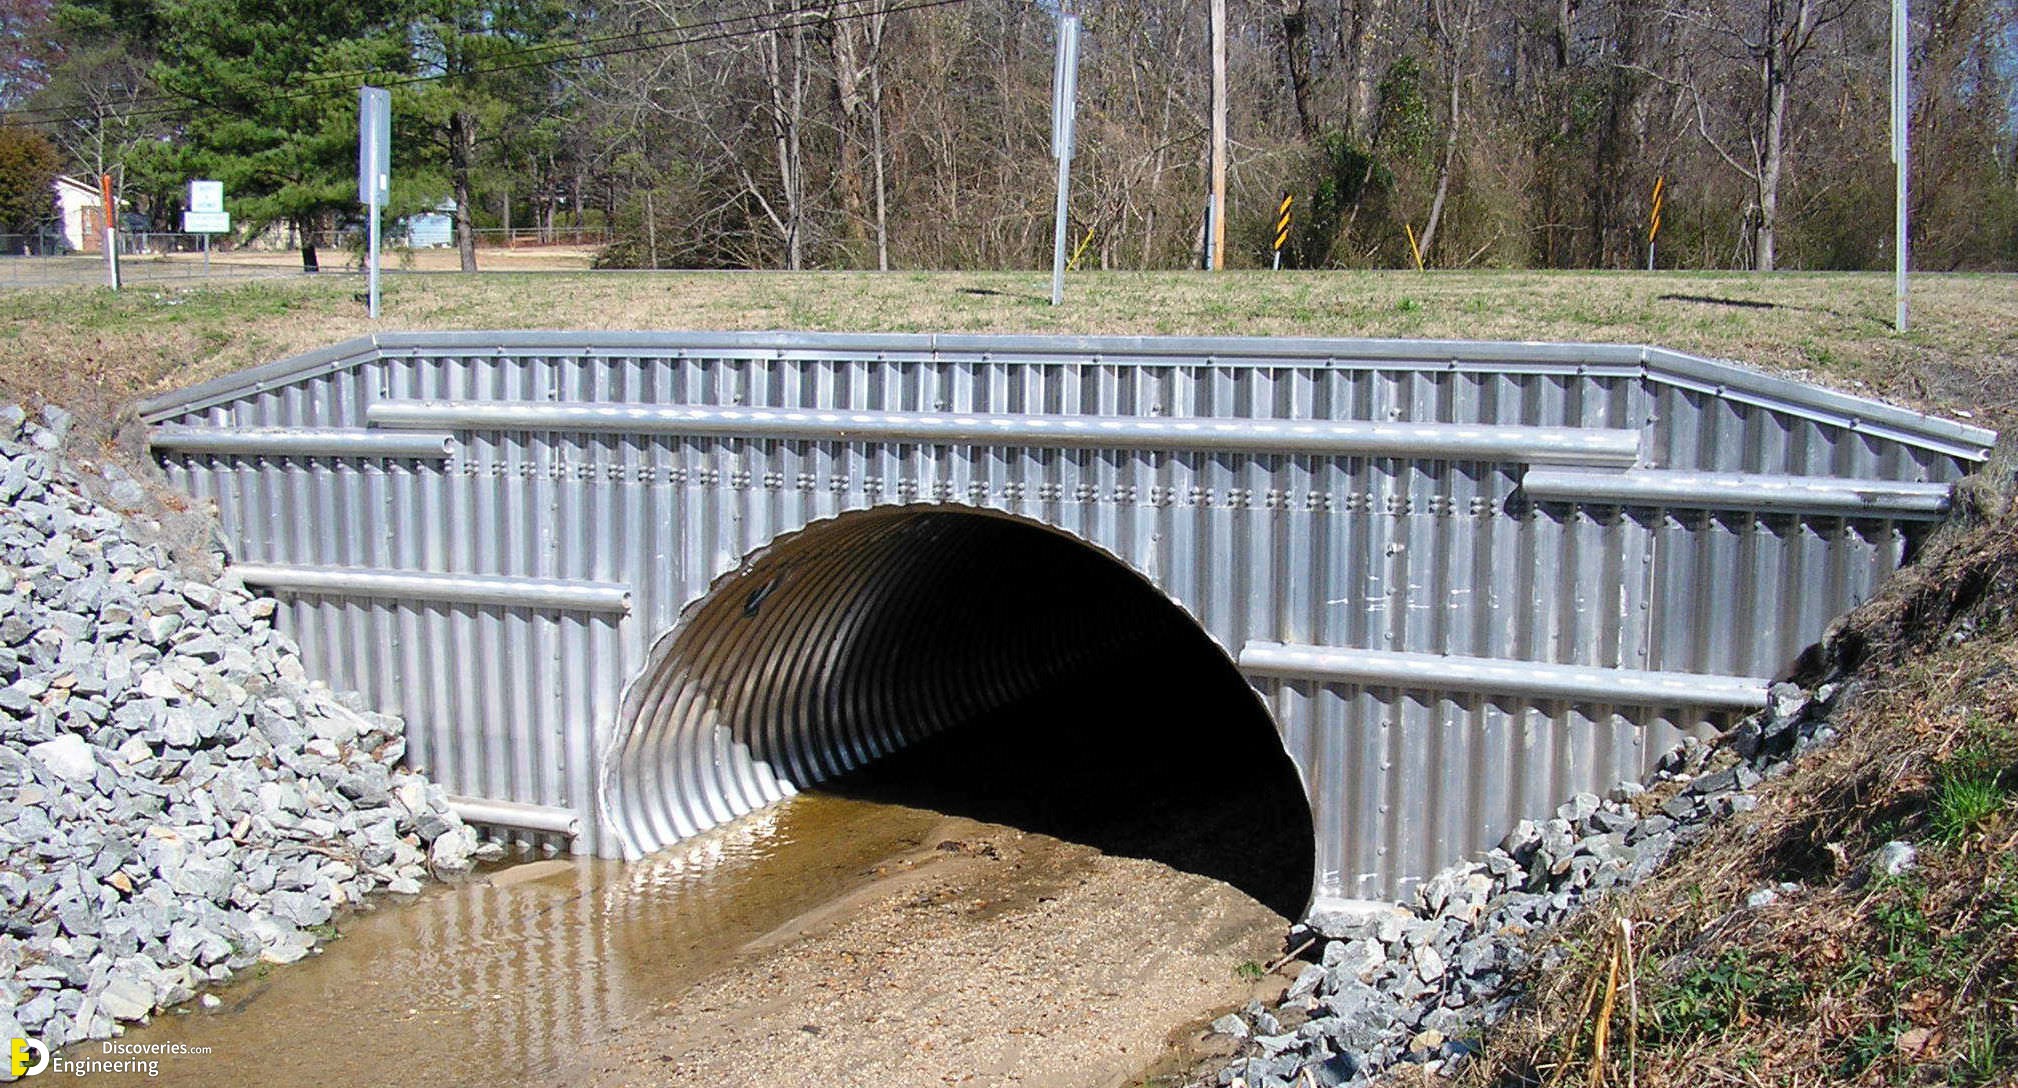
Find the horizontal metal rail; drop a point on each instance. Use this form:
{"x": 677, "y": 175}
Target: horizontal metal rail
{"x": 517, "y": 815}
{"x": 1440, "y": 441}
{"x": 1493, "y": 676}
{"x": 1741, "y": 491}
{"x": 453, "y": 588}
{"x": 301, "y": 442}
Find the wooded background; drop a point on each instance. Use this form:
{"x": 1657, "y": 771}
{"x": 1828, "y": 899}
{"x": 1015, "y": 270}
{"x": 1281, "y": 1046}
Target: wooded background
{"x": 915, "y": 133}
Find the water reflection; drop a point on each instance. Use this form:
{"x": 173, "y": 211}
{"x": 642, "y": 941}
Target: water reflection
{"x": 494, "y": 982}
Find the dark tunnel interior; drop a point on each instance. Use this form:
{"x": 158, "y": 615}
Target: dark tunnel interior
{"x": 1032, "y": 681}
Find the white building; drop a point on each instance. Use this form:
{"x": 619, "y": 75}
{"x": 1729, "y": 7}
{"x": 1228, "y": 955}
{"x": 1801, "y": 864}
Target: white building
{"x": 83, "y": 212}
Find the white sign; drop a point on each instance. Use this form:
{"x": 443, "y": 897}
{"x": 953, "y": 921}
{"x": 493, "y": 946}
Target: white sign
{"x": 374, "y": 145}
{"x": 206, "y": 222}
{"x": 206, "y": 196}
{"x": 1065, "y": 89}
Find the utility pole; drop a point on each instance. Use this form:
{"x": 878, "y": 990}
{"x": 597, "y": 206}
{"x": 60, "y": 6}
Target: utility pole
{"x": 111, "y": 206}
{"x": 1901, "y": 114}
{"x": 1216, "y": 241}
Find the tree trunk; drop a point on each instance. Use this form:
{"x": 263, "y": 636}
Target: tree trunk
{"x": 1296, "y": 54}
{"x": 1443, "y": 172}
{"x": 788, "y": 112}
{"x": 878, "y": 148}
{"x": 1455, "y": 39}
{"x": 844, "y": 52}
{"x": 309, "y": 263}
{"x": 1362, "y": 35}
{"x": 461, "y": 151}
{"x": 1771, "y": 164}
{"x": 651, "y": 230}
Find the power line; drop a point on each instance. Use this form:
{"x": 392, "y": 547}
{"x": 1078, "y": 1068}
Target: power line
{"x": 795, "y": 18}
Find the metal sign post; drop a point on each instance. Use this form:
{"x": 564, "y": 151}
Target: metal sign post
{"x": 1901, "y": 94}
{"x": 1064, "y": 99}
{"x": 374, "y": 172}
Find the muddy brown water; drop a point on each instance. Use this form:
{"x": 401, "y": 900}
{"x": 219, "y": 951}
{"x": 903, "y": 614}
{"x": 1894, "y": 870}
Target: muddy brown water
{"x": 827, "y": 934}
{"x": 495, "y": 980}
{"x": 1053, "y": 900}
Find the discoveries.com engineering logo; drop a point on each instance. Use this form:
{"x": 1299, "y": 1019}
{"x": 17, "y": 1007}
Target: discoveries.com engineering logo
{"x": 27, "y": 1057}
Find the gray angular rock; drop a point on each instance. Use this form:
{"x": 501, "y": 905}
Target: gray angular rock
{"x": 1231, "y": 1025}
{"x": 68, "y": 757}
{"x": 126, "y": 998}
{"x": 1894, "y": 859}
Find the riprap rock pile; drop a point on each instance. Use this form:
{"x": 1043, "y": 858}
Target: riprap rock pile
{"x": 1417, "y": 984}
{"x": 177, "y": 800}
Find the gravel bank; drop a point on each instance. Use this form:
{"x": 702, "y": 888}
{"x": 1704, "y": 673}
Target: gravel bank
{"x": 180, "y": 801}
{"x": 1417, "y": 985}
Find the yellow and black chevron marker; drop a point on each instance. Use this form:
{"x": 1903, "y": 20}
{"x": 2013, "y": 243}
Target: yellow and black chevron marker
{"x": 1654, "y": 219}
{"x": 1282, "y": 226}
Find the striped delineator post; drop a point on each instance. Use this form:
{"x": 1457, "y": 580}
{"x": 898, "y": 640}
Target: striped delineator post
{"x": 1654, "y": 219}
{"x": 1282, "y": 226}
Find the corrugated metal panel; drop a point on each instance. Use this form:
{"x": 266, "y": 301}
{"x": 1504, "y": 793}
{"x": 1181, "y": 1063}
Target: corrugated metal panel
{"x": 1354, "y": 547}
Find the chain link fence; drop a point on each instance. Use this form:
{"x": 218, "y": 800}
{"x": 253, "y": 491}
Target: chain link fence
{"x": 163, "y": 257}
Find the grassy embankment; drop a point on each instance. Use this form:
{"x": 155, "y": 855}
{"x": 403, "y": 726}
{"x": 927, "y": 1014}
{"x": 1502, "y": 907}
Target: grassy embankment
{"x": 1847, "y": 976}
{"x": 85, "y": 346}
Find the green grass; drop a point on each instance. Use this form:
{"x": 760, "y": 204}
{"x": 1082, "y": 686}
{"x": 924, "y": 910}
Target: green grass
{"x": 1728, "y": 991}
{"x": 1969, "y": 787}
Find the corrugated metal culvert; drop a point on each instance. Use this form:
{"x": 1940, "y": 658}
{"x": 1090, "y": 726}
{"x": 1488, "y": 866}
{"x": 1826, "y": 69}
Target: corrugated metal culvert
{"x": 637, "y": 584}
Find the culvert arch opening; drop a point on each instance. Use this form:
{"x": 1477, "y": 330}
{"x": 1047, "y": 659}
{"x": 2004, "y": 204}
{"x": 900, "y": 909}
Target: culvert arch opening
{"x": 970, "y": 662}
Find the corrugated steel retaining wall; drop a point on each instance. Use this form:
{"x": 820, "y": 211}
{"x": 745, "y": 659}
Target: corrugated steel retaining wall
{"x": 1467, "y": 579}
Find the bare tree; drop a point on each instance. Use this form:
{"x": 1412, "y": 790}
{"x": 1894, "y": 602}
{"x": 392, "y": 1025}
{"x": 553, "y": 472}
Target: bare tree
{"x": 854, "y": 37}
{"x": 1451, "y": 23}
{"x": 1773, "y": 42}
